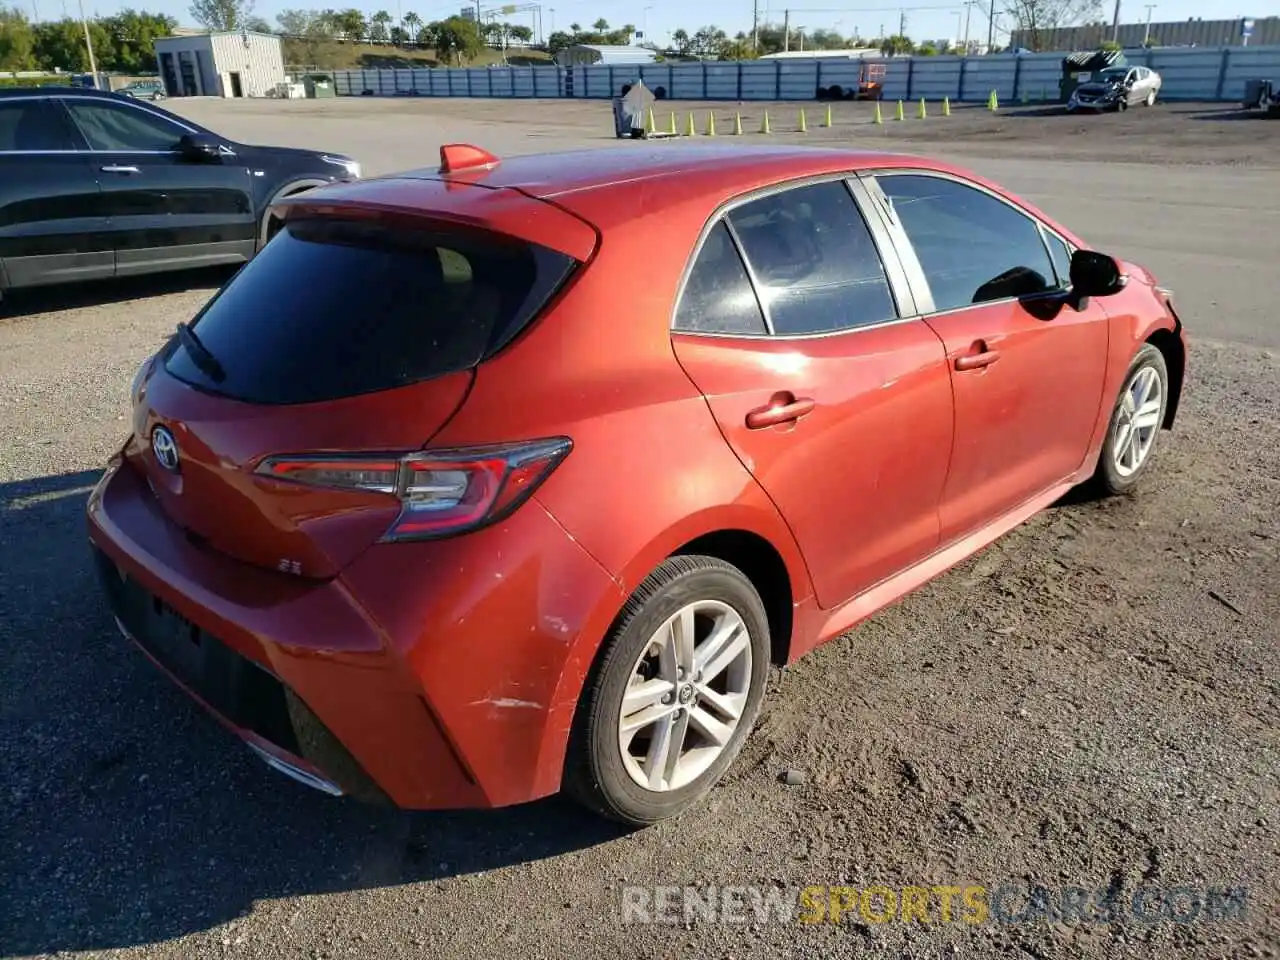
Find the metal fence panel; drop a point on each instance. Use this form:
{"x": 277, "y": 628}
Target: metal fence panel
{"x": 760, "y": 80}
{"x": 984, "y": 74}
{"x": 722, "y": 81}
{"x": 798, "y": 81}
{"x": 686, "y": 81}
{"x": 935, "y": 77}
{"x": 1262, "y": 63}
{"x": 897, "y": 79}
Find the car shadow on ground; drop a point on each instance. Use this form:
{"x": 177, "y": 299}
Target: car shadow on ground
{"x": 74, "y": 296}
{"x": 131, "y": 817}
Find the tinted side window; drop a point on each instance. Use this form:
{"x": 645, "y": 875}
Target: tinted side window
{"x": 815, "y": 263}
{"x": 973, "y": 247}
{"x": 111, "y": 127}
{"x": 31, "y": 125}
{"x": 718, "y": 297}
{"x": 1061, "y": 257}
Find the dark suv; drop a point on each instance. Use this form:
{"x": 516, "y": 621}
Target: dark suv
{"x": 94, "y": 185}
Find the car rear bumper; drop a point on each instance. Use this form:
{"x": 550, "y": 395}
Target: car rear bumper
{"x": 430, "y": 675}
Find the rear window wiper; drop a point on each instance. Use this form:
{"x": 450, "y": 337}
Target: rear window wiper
{"x": 200, "y": 354}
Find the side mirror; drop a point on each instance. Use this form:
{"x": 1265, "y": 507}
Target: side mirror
{"x": 200, "y": 148}
{"x": 1095, "y": 274}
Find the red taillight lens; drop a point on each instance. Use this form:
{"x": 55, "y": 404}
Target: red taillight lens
{"x": 442, "y": 492}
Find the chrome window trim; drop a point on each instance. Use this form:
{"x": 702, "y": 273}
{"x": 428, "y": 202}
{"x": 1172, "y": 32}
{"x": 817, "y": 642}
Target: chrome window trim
{"x": 872, "y": 223}
{"x": 911, "y": 261}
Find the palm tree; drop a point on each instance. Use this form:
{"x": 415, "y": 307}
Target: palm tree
{"x": 380, "y": 20}
{"x": 413, "y": 24}
{"x": 601, "y": 25}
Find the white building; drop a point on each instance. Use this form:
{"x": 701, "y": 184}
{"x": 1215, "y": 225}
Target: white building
{"x": 234, "y": 64}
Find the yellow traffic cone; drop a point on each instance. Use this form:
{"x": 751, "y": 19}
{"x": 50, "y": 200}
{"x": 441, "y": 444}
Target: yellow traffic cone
{"x": 764, "y": 124}
{"x": 691, "y": 131}
{"x": 673, "y": 130}
{"x": 804, "y": 127}
{"x": 946, "y": 106}
{"x": 878, "y": 119}
{"x": 827, "y": 122}
{"x": 993, "y": 102}
{"x": 901, "y": 114}
{"x": 651, "y": 126}
{"x": 711, "y": 123}
{"x": 737, "y": 124}
{"x": 922, "y": 113}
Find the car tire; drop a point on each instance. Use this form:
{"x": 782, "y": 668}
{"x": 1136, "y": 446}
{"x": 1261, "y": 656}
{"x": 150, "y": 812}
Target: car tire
{"x": 1132, "y": 435}
{"x": 1122, "y": 104}
{"x": 660, "y": 642}
{"x": 1151, "y": 99}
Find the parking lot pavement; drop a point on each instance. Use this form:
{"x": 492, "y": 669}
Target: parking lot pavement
{"x": 1092, "y": 702}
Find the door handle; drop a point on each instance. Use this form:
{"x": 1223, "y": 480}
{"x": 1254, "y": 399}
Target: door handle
{"x": 981, "y": 357}
{"x": 112, "y": 168}
{"x": 784, "y": 407}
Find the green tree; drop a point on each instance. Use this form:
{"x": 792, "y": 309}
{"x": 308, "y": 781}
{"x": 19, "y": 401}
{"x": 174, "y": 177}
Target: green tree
{"x": 518, "y": 31}
{"x": 456, "y": 39}
{"x": 133, "y": 35}
{"x": 601, "y": 26}
{"x": 351, "y": 24}
{"x": 221, "y": 14}
{"x": 295, "y": 23}
{"x": 59, "y": 45}
{"x": 412, "y": 25}
{"x": 379, "y": 26}
{"x": 680, "y": 39}
{"x": 17, "y": 40}
{"x": 896, "y": 45}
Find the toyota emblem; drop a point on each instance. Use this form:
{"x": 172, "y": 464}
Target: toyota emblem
{"x": 165, "y": 448}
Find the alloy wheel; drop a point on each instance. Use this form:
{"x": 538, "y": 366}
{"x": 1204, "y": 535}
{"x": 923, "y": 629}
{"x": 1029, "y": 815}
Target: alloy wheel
{"x": 686, "y": 696}
{"x": 1141, "y": 409}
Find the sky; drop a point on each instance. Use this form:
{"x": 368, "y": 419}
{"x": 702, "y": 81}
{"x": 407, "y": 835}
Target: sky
{"x": 925, "y": 19}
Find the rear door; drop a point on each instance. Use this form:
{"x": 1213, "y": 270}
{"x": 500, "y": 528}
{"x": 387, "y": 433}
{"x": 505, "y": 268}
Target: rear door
{"x": 797, "y": 325}
{"x": 1027, "y": 370}
{"x": 52, "y": 228}
{"x": 167, "y": 211}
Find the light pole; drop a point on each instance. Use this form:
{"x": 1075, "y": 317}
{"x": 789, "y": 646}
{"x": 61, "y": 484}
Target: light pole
{"x": 644, "y": 21}
{"x": 1146, "y": 34}
{"x": 88, "y": 44}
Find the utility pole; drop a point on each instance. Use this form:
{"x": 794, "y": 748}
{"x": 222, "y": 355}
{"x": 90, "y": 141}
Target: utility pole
{"x": 786, "y": 30}
{"x": 1115, "y": 24}
{"x": 991, "y": 28}
{"x": 755, "y": 25}
{"x": 88, "y": 43}
{"x": 902, "y": 23}
{"x": 968, "y": 12}
{"x": 1146, "y": 35}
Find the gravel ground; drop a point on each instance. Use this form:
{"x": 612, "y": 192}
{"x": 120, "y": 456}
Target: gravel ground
{"x": 1092, "y": 702}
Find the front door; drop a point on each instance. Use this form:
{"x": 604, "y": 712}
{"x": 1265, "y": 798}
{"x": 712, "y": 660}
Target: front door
{"x": 52, "y": 228}
{"x": 167, "y": 210}
{"x": 793, "y": 328}
{"x": 1026, "y": 369}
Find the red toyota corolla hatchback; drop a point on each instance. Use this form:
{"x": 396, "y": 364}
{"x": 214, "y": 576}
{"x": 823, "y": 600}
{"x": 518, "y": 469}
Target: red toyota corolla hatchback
{"x": 490, "y": 480}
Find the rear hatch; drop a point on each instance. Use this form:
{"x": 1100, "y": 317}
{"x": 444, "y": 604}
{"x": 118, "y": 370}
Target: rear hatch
{"x": 350, "y": 339}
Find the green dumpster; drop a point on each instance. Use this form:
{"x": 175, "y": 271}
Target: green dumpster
{"x": 319, "y": 85}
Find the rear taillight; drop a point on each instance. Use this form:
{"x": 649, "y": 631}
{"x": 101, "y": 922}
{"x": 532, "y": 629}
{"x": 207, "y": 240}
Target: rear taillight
{"x": 442, "y": 492}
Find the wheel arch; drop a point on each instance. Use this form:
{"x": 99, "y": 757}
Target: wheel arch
{"x": 1174, "y": 351}
{"x": 288, "y": 190}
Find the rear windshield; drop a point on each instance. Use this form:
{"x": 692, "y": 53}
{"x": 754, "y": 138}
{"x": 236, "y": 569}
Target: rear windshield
{"x": 333, "y": 309}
